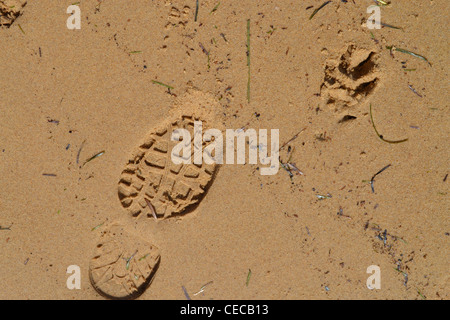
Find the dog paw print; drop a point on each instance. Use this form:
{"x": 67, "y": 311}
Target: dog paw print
{"x": 351, "y": 77}
{"x": 10, "y": 10}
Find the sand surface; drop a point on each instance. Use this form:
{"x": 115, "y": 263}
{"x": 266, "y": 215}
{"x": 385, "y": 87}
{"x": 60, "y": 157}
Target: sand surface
{"x": 303, "y": 236}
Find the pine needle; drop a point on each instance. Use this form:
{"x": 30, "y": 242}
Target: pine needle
{"x": 93, "y": 157}
{"x": 248, "y": 277}
{"x": 409, "y": 52}
{"x": 379, "y": 135}
{"x": 196, "y": 11}
{"x": 215, "y": 8}
{"x": 162, "y": 84}
{"x": 318, "y": 9}
{"x": 248, "y": 60}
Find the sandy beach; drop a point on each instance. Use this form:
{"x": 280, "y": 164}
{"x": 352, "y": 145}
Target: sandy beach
{"x": 85, "y": 139}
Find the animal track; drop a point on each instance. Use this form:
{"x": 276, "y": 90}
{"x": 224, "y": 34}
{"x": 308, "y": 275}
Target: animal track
{"x": 150, "y": 175}
{"x": 10, "y": 10}
{"x": 124, "y": 265}
{"x": 178, "y": 17}
{"x": 351, "y": 77}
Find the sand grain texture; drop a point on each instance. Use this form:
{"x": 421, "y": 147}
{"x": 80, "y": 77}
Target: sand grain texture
{"x": 70, "y": 94}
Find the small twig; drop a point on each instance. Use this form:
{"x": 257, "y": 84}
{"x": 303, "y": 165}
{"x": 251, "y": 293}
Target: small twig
{"x": 376, "y": 174}
{"x": 293, "y": 167}
{"x": 215, "y": 8}
{"x": 79, "y": 151}
{"x": 390, "y": 26}
{"x": 292, "y": 139}
{"x": 186, "y": 293}
{"x": 49, "y": 175}
{"x": 93, "y": 157}
{"x": 284, "y": 166}
{"x": 203, "y": 49}
{"x": 196, "y": 11}
{"x": 248, "y": 60}
{"x": 205, "y": 52}
{"x": 224, "y": 38}
{"x": 6, "y": 228}
{"x": 341, "y": 213}
{"x": 307, "y": 231}
{"x": 52, "y": 121}
{"x": 318, "y": 9}
{"x": 414, "y": 90}
{"x": 152, "y": 209}
{"x": 129, "y": 260}
{"x": 203, "y": 288}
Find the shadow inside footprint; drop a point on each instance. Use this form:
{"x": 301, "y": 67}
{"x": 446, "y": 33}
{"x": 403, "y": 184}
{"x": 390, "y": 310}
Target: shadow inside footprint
{"x": 351, "y": 77}
{"x": 10, "y": 10}
{"x": 124, "y": 265}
